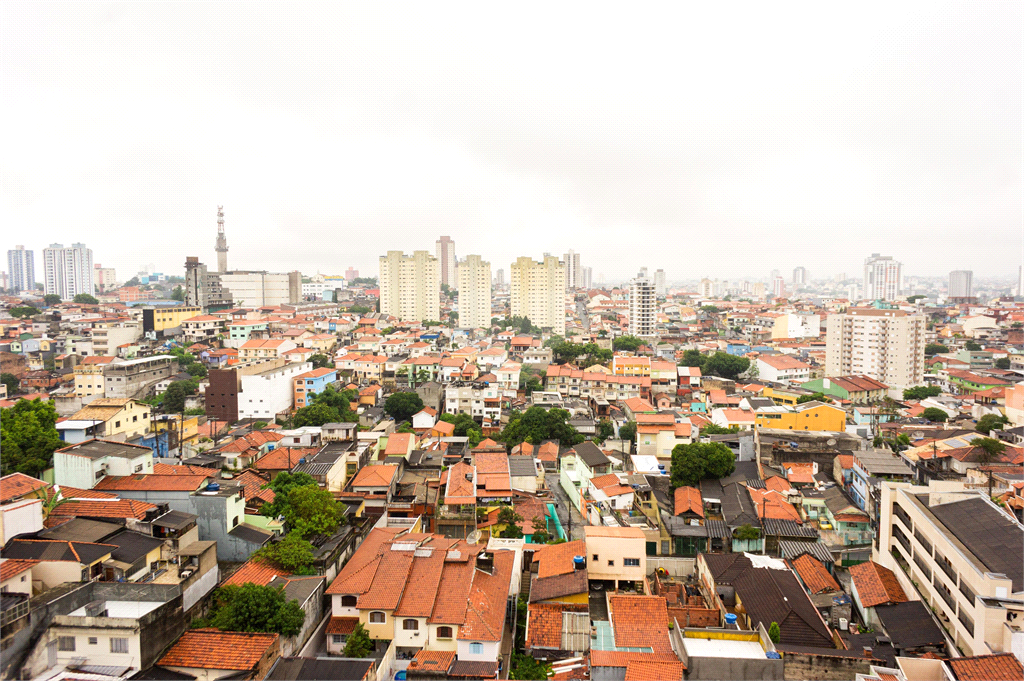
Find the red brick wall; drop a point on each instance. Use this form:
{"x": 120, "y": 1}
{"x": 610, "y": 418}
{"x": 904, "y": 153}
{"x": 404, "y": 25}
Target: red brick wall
{"x": 695, "y": 617}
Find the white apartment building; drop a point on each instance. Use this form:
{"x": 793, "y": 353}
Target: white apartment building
{"x": 107, "y": 336}
{"x": 883, "y": 277}
{"x": 444, "y": 249}
{"x": 68, "y": 272}
{"x": 538, "y": 292}
{"x": 961, "y": 284}
{"x": 266, "y": 394}
{"x": 260, "y": 289}
{"x": 643, "y": 308}
{"x": 961, "y": 553}
{"x": 410, "y": 286}
{"x": 796, "y": 326}
{"x": 887, "y": 345}
{"x": 800, "y": 276}
{"x": 479, "y": 400}
{"x": 104, "y": 278}
{"x": 21, "y": 265}
{"x": 573, "y": 271}
{"x": 659, "y": 283}
{"x": 474, "y": 293}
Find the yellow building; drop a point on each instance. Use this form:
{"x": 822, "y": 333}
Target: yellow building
{"x": 809, "y": 416}
{"x": 163, "y": 318}
{"x": 631, "y": 366}
{"x": 783, "y": 396}
{"x": 115, "y": 416}
{"x": 187, "y": 430}
{"x": 89, "y": 376}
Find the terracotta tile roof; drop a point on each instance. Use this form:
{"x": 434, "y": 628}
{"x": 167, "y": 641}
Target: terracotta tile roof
{"x": 876, "y": 585}
{"x": 485, "y": 612}
{"x": 845, "y": 460}
{"x": 688, "y": 499}
{"x": 255, "y": 571}
{"x": 815, "y": 575}
{"x": 771, "y": 504}
{"x": 432, "y": 660}
{"x": 13, "y": 567}
{"x": 389, "y": 581}
{"x": 644, "y": 670}
{"x": 556, "y": 559}
{"x": 18, "y": 485}
{"x": 488, "y": 443}
{"x": 999, "y": 667}
{"x": 399, "y": 444}
{"x": 640, "y": 621}
{"x": 185, "y": 469}
{"x": 284, "y": 458}
{"x": 615, "y": 658}
{"x": 426, "y": 576}
{"x": 75, "y": 493}
{"x": 375, "y": 476}
{"x": 253, "y": 483}
{"x": 342, "y": 625}
{"x": 215, "y": 649}
{"x": 163, "y": 483}
{"x": 104, "y": 508}
{"x": 544, "y": 624}
{"x": 777, "y": 483}
{"x": 357, "y": 574}
{"x": 456, "y": 582}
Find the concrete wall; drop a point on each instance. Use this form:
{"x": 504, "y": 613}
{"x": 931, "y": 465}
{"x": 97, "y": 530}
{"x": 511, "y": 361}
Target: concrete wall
{"x": 676, "y": 567}
{"x": 801, "y": 666}
{"x": 216, "y": 515}
{"x": 21, "y": 517}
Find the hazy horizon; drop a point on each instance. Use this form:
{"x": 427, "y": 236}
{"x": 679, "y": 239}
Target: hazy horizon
{"x": 695, "y": 139}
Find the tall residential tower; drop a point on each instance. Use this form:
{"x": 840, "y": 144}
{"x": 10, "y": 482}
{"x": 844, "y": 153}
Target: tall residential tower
{"x": 410, "y": 286}
{"x": 887, "y": 345}
{"x": 21, "y": 265}
{"x": 883, "y": 277}
{"x": 538, "y": 292}
{"x": 474, "y": 293}
{"x": 68, "y": 272}
{"x": 643, "y": 307}
{"x": 445, "y": 251}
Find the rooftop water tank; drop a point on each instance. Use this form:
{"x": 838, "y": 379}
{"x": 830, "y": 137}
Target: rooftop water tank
{"x": 213, "y": 487}
{"x": 730, "y": 618}
{"x": 578, "y": 562}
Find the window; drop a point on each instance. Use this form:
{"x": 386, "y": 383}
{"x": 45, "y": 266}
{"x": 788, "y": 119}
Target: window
{"x": 444, "y": 632}
{"x": 595, "y": 557}
{"x": 66, "y": 643}
{"x": 119, "y": 645}
{"x": 93, "y": 640}
{"x": 338, "y": 638}
{"x": 117, "y": 424}
{"x": 348, "y": 601}
{"x": 410, "y": 625}
{"x": 476, "y": 648}
{"x": 138, "y": 468}
{"x": 377, "y": 617}
{"x": 611, "y": 563}
{"x": 631, "y": 562}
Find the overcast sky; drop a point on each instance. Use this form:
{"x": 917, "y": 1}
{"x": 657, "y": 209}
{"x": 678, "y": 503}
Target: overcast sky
{"x": 721, "y": 139}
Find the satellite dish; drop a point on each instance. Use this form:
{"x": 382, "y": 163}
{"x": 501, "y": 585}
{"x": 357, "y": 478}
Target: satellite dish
{"x": 831, "y": 441}
{"x": 474, "y": 537}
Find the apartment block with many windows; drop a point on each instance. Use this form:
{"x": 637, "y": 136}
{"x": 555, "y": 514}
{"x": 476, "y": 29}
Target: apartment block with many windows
{"x": 886, "y": 345}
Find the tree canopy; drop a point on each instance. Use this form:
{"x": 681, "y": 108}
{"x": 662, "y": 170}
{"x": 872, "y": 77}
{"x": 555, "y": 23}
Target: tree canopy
{"x": 327, "y": 406}
{"x": 292, "y": 553}
{"x": 307, "y": 509}
{"x": 972, "y": 346}
{"x": 537, "y": 424}
{"x": 23, "y": 311}
{"x": 627, "y": 431}
{"x": 820, "y": 397}
{"x": 1003, "y": 363}
{"x": 935, "y": 415}
{"x": 508, "y": 517}
{"x": 402, "y": 405}
{"x": 28, "y": 437}
{"x": 567, "y": 351}
{"x": 11, "y": 381}
{"x": 694, "y": 462}
{"x": 321, "y": 361}
{"x": 920, "y": 392}
{"x": 86, "y": 299}
{"x": 256, "y": 608}
{"x": 628, "y": 343}
{"x": 173, "y": 401}
{"x": 51, "y": 299}
{"x": 358, "y": 643}
{"x": 934, "y": 349}
{"x": 720, "y": 364}
{"x": 523, "y": 325}
{"x": 990, "y": 422}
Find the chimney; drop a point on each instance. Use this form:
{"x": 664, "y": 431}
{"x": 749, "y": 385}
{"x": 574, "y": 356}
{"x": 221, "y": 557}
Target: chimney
{"x": 485, "y": 563}
{"x": 867, "y": 651}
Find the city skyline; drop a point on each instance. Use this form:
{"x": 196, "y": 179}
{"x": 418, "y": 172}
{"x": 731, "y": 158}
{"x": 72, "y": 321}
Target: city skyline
{"x": 900, "y": 126}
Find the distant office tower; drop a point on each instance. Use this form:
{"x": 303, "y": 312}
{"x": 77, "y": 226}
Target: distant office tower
{"x": 853, "y": 293}
{"x": 707, "y": 288}
{"x": 445, "y": 251}
{"x": 775, "y": 273}
{"x": 410, "y": 286}
{"x": 21, "y": 265}
{"x": 883, "y": 277}
{"x": 196, "y": 286}
{"x": 588, "y": 277}
{"x": 961, "y": 284}
{"x": 104, "y": 278}
{"x": 572, "y": 270}
{"x": 68, "y": 271}
{"x": 800, "y": 277}
{"x": 499, "y": 279}
{"x": 642, "y": 307}
{"x": 538, "y": 292}
{"x": 222, "y": 242}
{"x": 474, "y": 293}
{"x": 643, "y": 273}
{"x": 887, "y": 345}
{"x": 1020, "y": 281}
{"x": 351, "y": 273}
{"x": 659, "y": 282}
{"x": 759, "y": 290}
{"x": 778, "y": 287}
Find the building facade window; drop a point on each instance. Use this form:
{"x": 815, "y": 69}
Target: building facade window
{"x": 119, "y": 645}
{"x": 444, "y": 632}
{"x": 476, "y": 648}
{"x": 66, "y": 644}
{"x": 377, "y": 617}
{"x": 631, "y": 562}
{"x": 410, "y": 625}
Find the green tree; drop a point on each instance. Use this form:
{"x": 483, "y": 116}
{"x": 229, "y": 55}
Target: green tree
{"x": 692, "y": 358}
{"x": 178, "y": 293}
{"x": 51, "y": 299}
{"x": 724, "y": 365}
{"x": 710, "y": 309}
{"x": 554, "y": 341}
{"x": 627, "y": 431}
{"x": 327, "y": 406}
{"x": 1003, "y": 363}
{"x": 820, "y": 397}
{"x": 464, "y": 424}
{"x": 691, "y": 463}
{"x": 714, "y": 429}
{"x": 11, "y": 381}
{"x": 256, "y": 608}
{"x": 321, "y": 361}
{"x": 605, "y": 429}
{"x": 536, "y": 425}
{"x": 359, "y": 309}
{"x": 540, "y": 530}
{"x": 174, "y": 397}
{"x": 311, "y": 510}
{"x": 282, "y": 485}
{"x": 358, "y": 643}
{"x": 508, "y": 517}
{"x": 920, "y": 392}
{"x": 525, "y": 667}
{"x": 934, "y": 349}
{"x": 23, "y": 311}
{"x": 316, "y": 414}
{"x": 990, "y": 422}
{"x": 991, "y": 449}
{"x": 529, "y": 381}
{"x": 747, "y": 532}
{"x": 28, "y": 437}
{"x": 292, "y": 553}
{"x": 773, "y": 631}
{"x": 628, "y": 343}
{"x": 402, "y": 405}
{"x": 197, "y": 369}
{"x": 935, "y": 415}
{"x": 86, "y": 299}
{"x": 972, "y": 346}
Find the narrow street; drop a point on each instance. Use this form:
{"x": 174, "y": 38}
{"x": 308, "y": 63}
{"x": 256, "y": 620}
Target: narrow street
{"x": 581, "y": 312}
{"x": 564, "y": 507}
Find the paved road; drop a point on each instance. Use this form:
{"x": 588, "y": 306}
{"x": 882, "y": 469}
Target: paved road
{"x": 581, "y": 311}
{"x": 564, "y": 507}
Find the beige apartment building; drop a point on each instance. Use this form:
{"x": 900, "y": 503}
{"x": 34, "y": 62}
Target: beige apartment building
{"x": 410, "y": 286}
{"x": 474, "y": 293}
{"x": 887, "y": 345}
{"x": 962, "y": 554}
{"x": 538, "y": 292}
